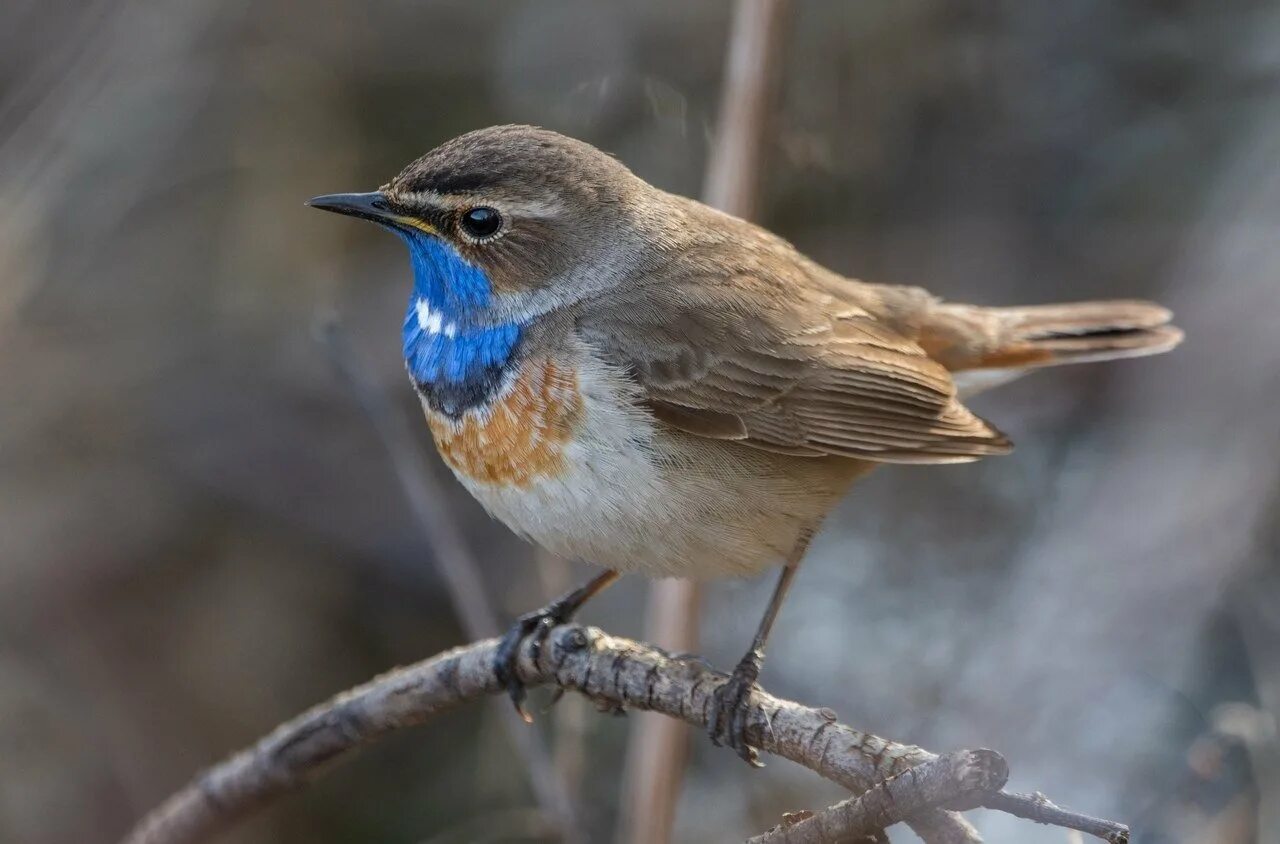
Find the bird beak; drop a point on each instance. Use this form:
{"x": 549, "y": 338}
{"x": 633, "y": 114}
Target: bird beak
{"x": 372, "y": 206}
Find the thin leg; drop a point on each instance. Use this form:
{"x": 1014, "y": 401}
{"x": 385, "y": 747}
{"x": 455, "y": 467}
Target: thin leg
{"x": 771, "y": 612}
{"x": 728, "y": 722}
{"x": 538, "y": 624}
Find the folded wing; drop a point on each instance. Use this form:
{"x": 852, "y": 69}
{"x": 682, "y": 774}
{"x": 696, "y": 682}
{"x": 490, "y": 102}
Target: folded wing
{"x": 796, "y": 370}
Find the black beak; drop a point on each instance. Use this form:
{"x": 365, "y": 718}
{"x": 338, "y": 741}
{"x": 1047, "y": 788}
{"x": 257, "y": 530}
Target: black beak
{"x": 372, "y": 206}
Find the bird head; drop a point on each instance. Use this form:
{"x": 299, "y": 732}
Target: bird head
{"x": 503, "y": 225}
{"x": 507, "y": 222}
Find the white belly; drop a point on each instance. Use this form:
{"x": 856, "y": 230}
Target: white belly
{"x": 632, "y": 496}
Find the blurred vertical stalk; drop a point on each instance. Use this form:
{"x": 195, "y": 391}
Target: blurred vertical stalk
{"x": 658, "y": 747}
{"x": 571, "y": 714}
{"x": 455, "y": 561}
{"x": 751, "y": 73}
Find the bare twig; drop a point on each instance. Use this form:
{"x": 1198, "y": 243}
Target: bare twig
{"x": 571, "y": 718}
{"x": 1038, "y": 808}
{"x": 962, "y": 780}
{"x": 658, "y": 749}
{"x": 750, "y": 81}
{"x": 452, "y": 554}
{"x": 615, "y": 672}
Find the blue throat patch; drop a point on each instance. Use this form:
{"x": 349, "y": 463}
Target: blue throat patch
{"x": 455, "y": 361}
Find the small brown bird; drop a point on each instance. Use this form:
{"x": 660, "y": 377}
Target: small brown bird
{"x": 634, "y": 379}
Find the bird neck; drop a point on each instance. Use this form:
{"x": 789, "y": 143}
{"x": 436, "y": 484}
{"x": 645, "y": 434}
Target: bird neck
{"x": 455, "y": 355}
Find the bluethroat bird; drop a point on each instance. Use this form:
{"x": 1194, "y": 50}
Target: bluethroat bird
{"x": 632, "y": 378}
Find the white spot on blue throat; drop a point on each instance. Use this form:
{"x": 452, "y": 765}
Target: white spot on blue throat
{"x": 447, "y": 340}
{"x": 433, "y": 322}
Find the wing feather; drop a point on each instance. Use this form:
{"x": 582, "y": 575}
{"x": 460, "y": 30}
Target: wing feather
{"x": 792, "y": 369}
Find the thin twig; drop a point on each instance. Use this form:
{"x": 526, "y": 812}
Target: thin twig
{"x": 1036, "y": 807}
{"x": 658, "y": 750}
{"x": 965, "y": 778}
{"x": 657, "y": 747}
{"x": 570, "y": 718}
{"x": 614, "y": 672}
{"x": 751, "y": 80}
{"x": 452, "y": 554}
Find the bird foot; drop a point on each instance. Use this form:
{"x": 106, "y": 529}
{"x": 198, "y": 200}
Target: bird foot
{"x": 535, "y": 626}
{"x": 731, "y": 711}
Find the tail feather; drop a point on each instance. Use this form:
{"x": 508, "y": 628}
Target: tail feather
{"x": 984, "y": 347}
{"x": 1046, "y": 335}
{"x": 1083, "y": 317}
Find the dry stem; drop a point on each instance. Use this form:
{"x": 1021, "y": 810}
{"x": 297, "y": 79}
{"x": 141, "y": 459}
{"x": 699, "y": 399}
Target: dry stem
{"x": 614, "y": 672}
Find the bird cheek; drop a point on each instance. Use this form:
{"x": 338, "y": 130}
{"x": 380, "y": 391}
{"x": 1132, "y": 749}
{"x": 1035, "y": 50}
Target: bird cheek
{"x": 505, "y": 275}
{"x": 525, "y": 256}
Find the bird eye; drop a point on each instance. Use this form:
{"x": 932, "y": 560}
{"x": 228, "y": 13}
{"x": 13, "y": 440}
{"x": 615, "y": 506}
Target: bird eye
{"x": 481, "y": 222}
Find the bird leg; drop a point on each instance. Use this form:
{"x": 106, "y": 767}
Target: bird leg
{"x": 730, "y": 710}
{"x": 537, "y": 625}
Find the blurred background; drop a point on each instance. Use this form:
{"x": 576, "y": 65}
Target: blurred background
{"x": 201, "y": 532}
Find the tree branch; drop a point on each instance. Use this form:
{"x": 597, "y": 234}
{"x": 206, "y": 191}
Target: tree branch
{"x": 616, "y": 673}
{"x": 962, "y": 779}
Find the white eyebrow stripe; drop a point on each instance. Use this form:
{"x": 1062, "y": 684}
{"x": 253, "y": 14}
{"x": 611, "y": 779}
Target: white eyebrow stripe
{"x": 428, "y": 197}
{"x": 511, "y": 206}
{"x": 529, "y": 208}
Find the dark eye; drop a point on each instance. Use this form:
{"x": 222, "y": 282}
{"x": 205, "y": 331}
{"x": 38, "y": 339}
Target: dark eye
{"x": 481, "y": 222}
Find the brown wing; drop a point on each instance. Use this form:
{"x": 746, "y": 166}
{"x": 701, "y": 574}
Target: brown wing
{"x": 800, "y": 369}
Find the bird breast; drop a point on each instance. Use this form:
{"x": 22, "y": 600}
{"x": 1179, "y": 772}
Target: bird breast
{"x": 567, "y": 455}
{"x": 520, "y": 435}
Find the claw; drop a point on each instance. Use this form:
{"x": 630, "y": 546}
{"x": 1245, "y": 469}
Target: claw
{"x": 504, "y": 662}
{"x": 730, "y": 714}
{"x": 538, "y": 636}
{"x": 535, "y": 626}
{"x": 538, "y": 625}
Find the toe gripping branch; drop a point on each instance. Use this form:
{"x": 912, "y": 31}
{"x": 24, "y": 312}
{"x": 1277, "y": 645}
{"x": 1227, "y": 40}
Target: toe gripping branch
{"x": 731, "y": 711}
{"x": 536, "y": 626}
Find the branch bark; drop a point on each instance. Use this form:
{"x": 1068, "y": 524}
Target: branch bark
{"x": 616, "y": 673}
{"x": 961, "y": 780}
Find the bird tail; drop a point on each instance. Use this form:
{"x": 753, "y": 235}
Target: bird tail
{"x": 986, "y": 346}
